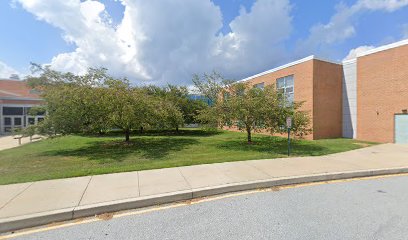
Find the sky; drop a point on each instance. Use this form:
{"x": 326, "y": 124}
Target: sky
{"x": 167, "y": 41}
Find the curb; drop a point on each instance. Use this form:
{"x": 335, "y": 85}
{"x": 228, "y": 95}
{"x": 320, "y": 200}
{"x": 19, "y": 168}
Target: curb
{"x": 37, "y": 219}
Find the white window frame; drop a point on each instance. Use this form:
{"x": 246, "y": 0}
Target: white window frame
{"x": 285, "y": 87}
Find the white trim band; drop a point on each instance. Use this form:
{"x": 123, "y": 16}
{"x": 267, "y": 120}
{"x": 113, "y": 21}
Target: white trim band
{"x": 311, "y": 57}
{"x": 383, "y": 48}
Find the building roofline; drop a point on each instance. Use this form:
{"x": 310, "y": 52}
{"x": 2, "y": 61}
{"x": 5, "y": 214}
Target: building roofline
{"x": 353, "y": 60}
{"x": 311, "y": 57}
{"x": 383, "y": 48}
{"x": 21, "y": 99}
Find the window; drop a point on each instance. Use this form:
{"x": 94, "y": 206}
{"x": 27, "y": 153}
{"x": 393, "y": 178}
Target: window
{"x": 286, "y": 86}
{"x": 17, "y": 121}
{"x": 12, "y": 111}
{"x": 259, "y": 85}
{"x": 40, "y": 119}
{"x": 7, "y": 121}
{"x": 37, "y": 112}
{"x": 31, "y": 121}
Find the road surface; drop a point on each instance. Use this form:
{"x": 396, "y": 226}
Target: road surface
{"x": 359, "y": 209}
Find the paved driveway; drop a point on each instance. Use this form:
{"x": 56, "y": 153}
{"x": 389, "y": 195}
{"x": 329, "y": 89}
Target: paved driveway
{"x": 362, "y": 209}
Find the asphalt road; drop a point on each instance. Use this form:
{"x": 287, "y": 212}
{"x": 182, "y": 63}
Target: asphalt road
{"x": 358, "y": 209}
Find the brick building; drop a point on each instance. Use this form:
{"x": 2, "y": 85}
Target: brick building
{"x": 16, "y": 99}
{"x": 365, "y": 98}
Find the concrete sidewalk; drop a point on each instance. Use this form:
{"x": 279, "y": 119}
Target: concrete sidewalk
{"x": 9, "y": 141}
{"x": 37, "y": 203}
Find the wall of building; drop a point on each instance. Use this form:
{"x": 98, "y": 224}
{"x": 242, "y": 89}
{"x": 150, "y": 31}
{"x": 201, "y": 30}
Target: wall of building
{"x": 327, "y": 99}
{"x": 24, "y": 117}
{"x": 350, "y": 99}
{"x": 303, "y": 83}
{"x": 382, "y": 91}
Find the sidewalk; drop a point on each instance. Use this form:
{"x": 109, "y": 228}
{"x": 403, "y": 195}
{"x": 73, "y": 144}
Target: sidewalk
{"x": 9, "y": 141}
{"x": 36, "y": 203}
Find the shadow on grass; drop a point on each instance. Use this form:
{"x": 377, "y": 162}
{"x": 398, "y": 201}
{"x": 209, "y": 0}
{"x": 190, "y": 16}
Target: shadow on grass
{"x": 118, "y": 150}
{"x": 182, "y": 132}
{"x": 276, "y": 145}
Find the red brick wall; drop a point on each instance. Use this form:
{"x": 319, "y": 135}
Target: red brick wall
{"x": 382, "y": 91}
{"x": 327, "y": 95}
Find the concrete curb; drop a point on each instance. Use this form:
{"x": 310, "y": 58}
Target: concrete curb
{"x": 32, "y": 220}
{"x": 36, "y": 219}
{"x": 130, "y": 203}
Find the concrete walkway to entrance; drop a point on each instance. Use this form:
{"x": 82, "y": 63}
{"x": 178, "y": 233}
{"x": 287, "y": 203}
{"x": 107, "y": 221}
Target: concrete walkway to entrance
{"x": 9, "y": 141}
{"x": 36, "y": 203}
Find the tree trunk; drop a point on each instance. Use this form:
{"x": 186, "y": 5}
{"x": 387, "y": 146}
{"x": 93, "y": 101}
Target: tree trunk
{"x": 249, "y": 135}
{"x": 127, "y": 135}
{"x": 177, "y": 130}
{"x": 141, "y": 129}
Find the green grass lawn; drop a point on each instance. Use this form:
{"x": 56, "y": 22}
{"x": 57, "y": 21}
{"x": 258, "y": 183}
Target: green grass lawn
{"x": 71, "y": 156}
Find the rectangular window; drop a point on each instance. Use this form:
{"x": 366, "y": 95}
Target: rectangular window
{"x": 7, "y": 121}
{"x": 286, "y": 86}
{"x": 37, "y": 112}
{"x": 17, "y": 121}
{"x": 7, "y": 111}
{"x": 31, "y": 121}
{"x": 259, "y": 85}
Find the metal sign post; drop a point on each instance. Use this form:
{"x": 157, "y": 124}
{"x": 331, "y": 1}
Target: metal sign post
{"x": 289, "y": 126}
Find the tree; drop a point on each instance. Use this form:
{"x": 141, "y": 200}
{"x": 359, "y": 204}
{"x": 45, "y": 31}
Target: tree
{"x": 130, "y": 108}
{"x": 91, "y": 103}
{"x": 210, "y": 85}
{"x": 245, "y": 108}
{"x": 252, "y": 109}
{"x": 74, "y": 103}
{"x": 177, "y": 108}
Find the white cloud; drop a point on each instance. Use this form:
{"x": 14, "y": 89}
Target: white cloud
{"x": 387, "y": 5}
{"x": 87, "y": 25}
{"x": 6, "y": 71}
{"x": 354, "y": 52}
{"x": 167, "y": 41}
{"x": 342, "y": 24}
{"x": 257, "y": 37}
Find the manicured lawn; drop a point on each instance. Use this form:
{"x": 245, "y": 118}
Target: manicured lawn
{"x": 71, "y": 156}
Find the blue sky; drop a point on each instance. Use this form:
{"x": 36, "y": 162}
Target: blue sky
{"x": 168, "y": 41}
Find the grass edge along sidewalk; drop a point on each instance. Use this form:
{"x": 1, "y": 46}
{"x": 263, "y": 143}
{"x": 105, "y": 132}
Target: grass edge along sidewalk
{"x": 75, "y": 155}
{"x": 68, "y": 201}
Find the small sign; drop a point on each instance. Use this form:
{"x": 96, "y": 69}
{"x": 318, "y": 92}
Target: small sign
{"x": 288, "y": 122}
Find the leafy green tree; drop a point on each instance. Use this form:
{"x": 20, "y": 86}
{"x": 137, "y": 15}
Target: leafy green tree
{"x": 252, "y": 109}
{"x": 177, "y": 108}
{"x": 74, "y": 103}
{"x": 192, "y": 109}
{"x": 130, "y": 108}
{"x": 245, "y": 108}
{"x": 211, "y": 85}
